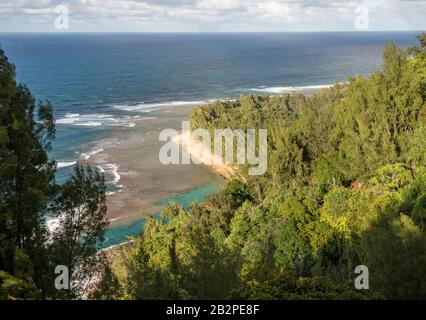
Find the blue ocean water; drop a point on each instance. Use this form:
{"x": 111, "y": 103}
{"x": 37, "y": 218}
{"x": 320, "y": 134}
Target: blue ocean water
{"x": 122, "y": 233}
{"x": 98, "y": 82}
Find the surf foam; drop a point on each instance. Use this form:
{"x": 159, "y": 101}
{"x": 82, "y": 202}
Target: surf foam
{"x": 149, "y": 107}
{"x": 290, "y": 88}
{"x": 63, "y": 164}
{"x": 95, "y": 120}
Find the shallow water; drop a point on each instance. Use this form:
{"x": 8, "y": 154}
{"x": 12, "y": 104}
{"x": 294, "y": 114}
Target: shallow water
{"x": 119, "y": 234}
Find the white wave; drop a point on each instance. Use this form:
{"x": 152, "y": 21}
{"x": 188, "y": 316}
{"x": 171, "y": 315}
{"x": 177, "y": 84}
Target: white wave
{"x": 95, "y": 120}
{"x": 110, "y": 193}
{"x": 65, "y": 164}
{"x": 98, "y": 147}
{"x": 133, "y": 108}
{"x": 112, "y": 169}
{"x": 115, "y": 246}
{"x": 64, "y": 121}
{"x": 89, "y": 124}
{"x": 290, "y": 88}
{"x": 86, "y": 156}
{"x": 149, "y": 107}
{"x": 72, "y": 115}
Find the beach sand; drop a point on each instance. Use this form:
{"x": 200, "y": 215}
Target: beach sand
{"x": 204, "y": 155}
{"x": 131, "y": 159}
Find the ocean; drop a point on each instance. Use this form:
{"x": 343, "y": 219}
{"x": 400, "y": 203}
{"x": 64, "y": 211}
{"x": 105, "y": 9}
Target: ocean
{"x": 101, "y": 82}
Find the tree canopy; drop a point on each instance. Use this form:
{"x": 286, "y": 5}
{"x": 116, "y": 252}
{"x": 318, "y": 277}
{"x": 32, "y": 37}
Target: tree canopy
{"x": 345, "y": 186}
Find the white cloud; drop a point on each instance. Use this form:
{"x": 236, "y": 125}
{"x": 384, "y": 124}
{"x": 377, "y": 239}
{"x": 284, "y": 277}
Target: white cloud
{"x": 211, "y": 15}
{"x": 37, "y": 11}
{"x": 218, "y": 4}
{"x": 274, "y": 9}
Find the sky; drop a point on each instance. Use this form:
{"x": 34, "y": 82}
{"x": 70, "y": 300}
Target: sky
{"x": 210, "y": 15}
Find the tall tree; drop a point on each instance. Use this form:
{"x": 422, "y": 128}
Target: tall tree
{"x": 81, "y": 210}
{"x": 26, "y": 174}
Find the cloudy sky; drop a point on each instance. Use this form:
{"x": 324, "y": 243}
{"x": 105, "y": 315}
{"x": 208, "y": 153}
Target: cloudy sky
{"x": 211, "y": 15}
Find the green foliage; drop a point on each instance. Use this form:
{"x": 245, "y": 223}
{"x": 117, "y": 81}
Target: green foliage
{"x": 292, "y": 249}
{"x": 413, "y": 147}
{"x": 396, "y": 256}
{"x": 183, "y": 258}
{"x": 26, "y": 177}
{"x": 108, "y": 287}
{"x": 289, "y": 287}
{"x": 20, "y": 285}
{"x": 28, "y": 254}
{"x": 392, "y": 177}
{"x": 81, "y": 209}
{"x": 345, "y": 186}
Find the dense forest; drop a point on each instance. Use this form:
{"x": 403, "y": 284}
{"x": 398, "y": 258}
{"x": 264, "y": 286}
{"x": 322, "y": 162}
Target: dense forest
{"x": 345, "y": 186}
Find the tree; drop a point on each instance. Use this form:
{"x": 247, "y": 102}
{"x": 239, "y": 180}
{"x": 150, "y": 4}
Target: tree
{"x": 20, "y": 285}
{"x": 26, "y": 174}
{"x": 108, "y": 286}
{"x": 395, "y": 252}
{"x": 287, "y": 286}
{"x": 81, "y": 210}
{"x": 28, "y": 192}
{"x": 421, "y": 47}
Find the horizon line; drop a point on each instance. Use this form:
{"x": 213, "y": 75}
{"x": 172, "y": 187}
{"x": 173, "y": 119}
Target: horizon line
{"x": 206, "y": 32}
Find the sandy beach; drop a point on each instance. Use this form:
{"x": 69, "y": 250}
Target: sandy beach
{"x": 202, "y": 154}
{"x": 130, "y": 159}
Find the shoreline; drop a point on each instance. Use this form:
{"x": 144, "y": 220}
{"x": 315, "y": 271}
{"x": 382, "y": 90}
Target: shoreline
{"x": 130, "y": 156}
{"x": 202, "y": 154}
{"x": 138, "y": 182}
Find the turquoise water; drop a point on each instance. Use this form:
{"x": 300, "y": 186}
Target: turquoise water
{"x": 120, "y": 234}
